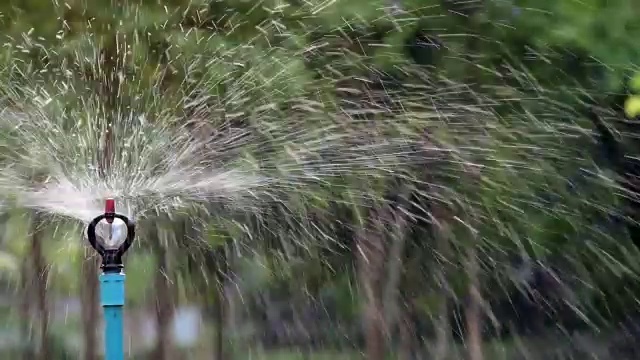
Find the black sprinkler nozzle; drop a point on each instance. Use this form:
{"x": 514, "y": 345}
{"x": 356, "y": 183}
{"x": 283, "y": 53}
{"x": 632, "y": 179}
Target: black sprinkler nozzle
{"x": 111, "y": 257}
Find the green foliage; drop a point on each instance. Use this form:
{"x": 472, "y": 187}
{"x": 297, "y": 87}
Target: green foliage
{"x": 8, "y": 263}
{"x": 605, "y": 30}
{"x": 632, "y": 106}
{"x": 141, "y": 269}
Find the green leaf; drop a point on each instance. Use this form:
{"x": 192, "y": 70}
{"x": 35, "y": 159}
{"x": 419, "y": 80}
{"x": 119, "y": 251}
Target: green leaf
{"x": 635, "y": 83}
{"x": 8, "y": 262}
{"x": 632, "y": 106}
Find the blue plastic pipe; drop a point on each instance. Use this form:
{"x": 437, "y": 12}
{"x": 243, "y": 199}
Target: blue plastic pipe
{"x": 112, "y": 301}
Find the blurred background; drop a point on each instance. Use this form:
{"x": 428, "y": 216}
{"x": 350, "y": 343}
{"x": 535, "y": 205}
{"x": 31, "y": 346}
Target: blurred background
{"x": 361, "y": 179}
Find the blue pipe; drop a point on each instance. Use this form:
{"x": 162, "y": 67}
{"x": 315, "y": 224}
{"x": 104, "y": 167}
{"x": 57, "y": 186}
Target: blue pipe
{"x": 112, "y": 301}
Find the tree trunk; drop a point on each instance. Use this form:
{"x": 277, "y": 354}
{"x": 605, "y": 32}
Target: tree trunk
{"x": 220, "y": 310}
{"x": 164, "y": 297}
{"x": 41, "y": 279}
{"x": 231, "y": 297}
{"x": 443, "y": 248}
{"x": 394, "y": 271}
{"x": 407, "y": 335}
{"x": 370, "y": 262}
{"x": 375, "y": 339}
{"x": 473, "y": 313}
{"x": 90, "y": 309}
{"x": 443, "y": 330}
{"x": 26, "y": 279}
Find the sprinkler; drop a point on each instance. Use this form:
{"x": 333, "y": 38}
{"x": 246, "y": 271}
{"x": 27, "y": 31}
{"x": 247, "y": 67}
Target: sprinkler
{"x": 111, "y": 235}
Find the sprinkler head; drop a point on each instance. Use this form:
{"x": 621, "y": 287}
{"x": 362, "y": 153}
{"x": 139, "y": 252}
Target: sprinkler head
{"x": 111, "y": 234}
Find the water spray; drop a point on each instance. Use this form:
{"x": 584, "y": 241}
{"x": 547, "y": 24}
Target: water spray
{"x": 111, "y": 234}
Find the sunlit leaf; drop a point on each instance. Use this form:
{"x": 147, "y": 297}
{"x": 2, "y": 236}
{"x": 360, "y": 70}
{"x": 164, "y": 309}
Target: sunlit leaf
{"x": 632, "y": 106}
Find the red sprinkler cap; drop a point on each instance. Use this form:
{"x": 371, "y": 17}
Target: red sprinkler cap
{"x": 109, "y": 209}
